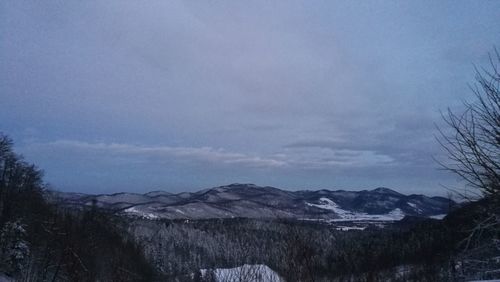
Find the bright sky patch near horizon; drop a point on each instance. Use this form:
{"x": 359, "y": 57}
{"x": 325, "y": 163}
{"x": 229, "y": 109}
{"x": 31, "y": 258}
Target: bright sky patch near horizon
{"x": 111, "y": 96}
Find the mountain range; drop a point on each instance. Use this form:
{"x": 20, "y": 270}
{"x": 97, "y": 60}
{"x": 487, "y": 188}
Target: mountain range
{"x": 251, "y": 201}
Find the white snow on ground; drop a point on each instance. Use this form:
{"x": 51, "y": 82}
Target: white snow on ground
{"x": 247, "y": 273}
{"x": 179, "y": 211}
{"x": 437, "y": 216}
{"x": 415, "y": 207}
{"x": 136, "y": 212}
{"x": 347, "y": 228}
{"x": 412, "y": 205}
{"x": 344, "y": 215}
{"x": 5, "y": 278}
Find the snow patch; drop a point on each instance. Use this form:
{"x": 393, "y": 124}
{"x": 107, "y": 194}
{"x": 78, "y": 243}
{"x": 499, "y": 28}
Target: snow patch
{"x": 437, "y": 216}
{"x": 415, "y": 207}
{"x": 247, "y": 272}
{"x": 136, "y": 212}
{"x": 179, "y": 211}
{"x": 344, "y": 215}
{"x": 5, "y": 278}
{"x": 347, "y": 228}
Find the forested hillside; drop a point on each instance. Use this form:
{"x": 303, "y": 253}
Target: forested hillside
{"x": 411, "y": 250}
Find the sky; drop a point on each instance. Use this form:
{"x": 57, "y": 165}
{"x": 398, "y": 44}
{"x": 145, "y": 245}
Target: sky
{"x": 109, "y": 96}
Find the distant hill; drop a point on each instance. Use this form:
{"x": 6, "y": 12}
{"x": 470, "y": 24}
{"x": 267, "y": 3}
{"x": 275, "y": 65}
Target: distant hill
{"x": 251, "y": 201}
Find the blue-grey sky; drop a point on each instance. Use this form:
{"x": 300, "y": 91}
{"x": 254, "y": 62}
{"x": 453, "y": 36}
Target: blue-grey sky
{"x": 112, "y": 96}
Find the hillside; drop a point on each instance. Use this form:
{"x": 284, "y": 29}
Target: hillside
{"x": 251, "y": 201}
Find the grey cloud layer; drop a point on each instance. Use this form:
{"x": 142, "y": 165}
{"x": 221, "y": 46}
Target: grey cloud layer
{"x": 294, "y": 92}
{"x": 302, "y": 159}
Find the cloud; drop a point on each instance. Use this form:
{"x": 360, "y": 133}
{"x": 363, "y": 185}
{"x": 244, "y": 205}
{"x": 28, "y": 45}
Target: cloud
{"x": 295, "y": 158}
{"x": 408, "y": 140}
{"x": 166, "y": 153}
{"x": 326, "y": 158}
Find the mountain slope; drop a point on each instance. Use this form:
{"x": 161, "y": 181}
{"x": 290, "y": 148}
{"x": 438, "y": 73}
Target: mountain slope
{"x": 251, "y": 201}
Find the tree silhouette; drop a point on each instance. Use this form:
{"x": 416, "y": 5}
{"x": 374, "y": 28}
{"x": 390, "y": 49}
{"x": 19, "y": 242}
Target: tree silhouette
{"x": 473, "y": 142}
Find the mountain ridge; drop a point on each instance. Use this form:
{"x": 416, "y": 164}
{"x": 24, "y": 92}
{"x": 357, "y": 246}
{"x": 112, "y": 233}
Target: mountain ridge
{"x": 252, "y": 201}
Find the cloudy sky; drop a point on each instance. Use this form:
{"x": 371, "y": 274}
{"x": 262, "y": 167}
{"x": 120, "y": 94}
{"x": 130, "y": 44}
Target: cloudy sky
{"x": 179, "y": 95}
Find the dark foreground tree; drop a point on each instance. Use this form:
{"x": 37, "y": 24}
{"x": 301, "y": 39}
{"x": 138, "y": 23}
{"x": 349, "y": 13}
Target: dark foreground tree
{"x": 472, "y": 143}
{"x": 41, "y": 241}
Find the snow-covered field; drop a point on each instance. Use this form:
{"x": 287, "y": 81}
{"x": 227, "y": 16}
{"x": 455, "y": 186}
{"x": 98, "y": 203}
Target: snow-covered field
{"x": 344, "y": 215}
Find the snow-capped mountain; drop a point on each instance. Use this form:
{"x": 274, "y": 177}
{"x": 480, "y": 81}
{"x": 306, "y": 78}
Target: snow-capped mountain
{"x": 251, "y": 201}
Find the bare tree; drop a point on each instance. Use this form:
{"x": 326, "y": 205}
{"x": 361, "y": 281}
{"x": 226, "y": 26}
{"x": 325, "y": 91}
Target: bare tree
{"x": 473, "y": 142}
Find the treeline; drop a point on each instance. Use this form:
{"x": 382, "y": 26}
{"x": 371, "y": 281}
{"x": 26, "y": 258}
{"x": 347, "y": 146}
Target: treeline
{"x": 300, "y": 251}
{"x": 43, "y": 242}
{"x": 412, "y": 250}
